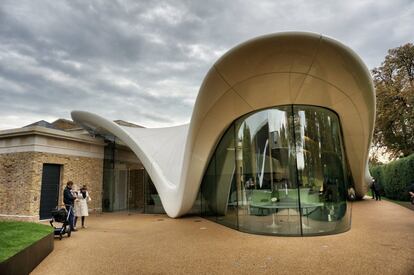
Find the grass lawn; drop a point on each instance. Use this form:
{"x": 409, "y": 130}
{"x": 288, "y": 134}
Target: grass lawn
{"x": 15, "y": 236}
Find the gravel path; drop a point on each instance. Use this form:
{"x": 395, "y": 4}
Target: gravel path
{"x": 381, "y": 241}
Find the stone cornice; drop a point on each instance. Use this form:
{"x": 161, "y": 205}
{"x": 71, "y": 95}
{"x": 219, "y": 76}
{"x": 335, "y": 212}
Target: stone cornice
{"x": 41, "y": 131}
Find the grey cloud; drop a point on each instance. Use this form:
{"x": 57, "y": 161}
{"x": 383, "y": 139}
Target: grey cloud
{"x": 143, "y": 61}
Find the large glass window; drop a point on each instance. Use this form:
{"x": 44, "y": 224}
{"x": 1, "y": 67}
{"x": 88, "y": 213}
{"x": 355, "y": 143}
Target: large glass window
{"x": 219, "y": 197}
{"x": 126, "y": 184}
{"x": 279, "y": 171}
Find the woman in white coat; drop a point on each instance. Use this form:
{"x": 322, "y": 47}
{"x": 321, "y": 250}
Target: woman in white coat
{"x": 81, "y": 209}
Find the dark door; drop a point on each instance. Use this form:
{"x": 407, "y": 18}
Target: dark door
{"x": 50, "y": 190}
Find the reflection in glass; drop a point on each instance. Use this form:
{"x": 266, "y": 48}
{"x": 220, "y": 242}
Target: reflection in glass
{"x": 279, "y": 171}
{"x": 269, "y": 195}
{"x": 321, "y": 169}
{"x": 122, "y": 180}
{"x": 219, "y": 197}
{"x": 126, "y": 184}
{"x": 153, "y": 203}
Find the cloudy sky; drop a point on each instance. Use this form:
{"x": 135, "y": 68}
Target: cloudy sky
{"x": 143, "y": 61}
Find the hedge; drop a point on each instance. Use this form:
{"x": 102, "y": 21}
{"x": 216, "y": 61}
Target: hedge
{"x": 395, "y": 177}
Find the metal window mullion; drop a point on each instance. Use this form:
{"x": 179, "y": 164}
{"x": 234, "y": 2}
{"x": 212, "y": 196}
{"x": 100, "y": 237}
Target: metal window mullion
{"x": 296, "y": 169}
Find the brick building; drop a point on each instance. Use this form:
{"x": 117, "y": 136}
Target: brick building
{"x": 36, "y": 161}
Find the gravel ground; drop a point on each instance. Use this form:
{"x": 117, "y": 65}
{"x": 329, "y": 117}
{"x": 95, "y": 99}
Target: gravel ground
{"x": 381, "y": 241}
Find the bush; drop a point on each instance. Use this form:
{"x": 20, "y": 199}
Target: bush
{"x": 395, "y": 177}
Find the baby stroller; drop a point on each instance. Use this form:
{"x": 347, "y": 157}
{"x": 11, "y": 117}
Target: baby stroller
{"x": 61, "y": 216}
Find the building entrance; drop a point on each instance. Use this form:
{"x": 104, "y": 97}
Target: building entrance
{"x": 126, "y": 184}
{"x": 50, "y": 190}
{"x": 123, "y": 189}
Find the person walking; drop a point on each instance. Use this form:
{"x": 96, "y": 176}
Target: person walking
{"x": 82, "y": 210}
{"x": 68, "y": 200}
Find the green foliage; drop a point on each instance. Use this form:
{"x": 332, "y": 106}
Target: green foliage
{"x": 394, "y": 85}
{"x": 395, "y": 177}
{"x": 247, "y": 158}
{"x": 15, "y": 236}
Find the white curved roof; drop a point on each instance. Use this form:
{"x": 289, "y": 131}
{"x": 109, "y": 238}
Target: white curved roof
{"x": 278, "y": 69}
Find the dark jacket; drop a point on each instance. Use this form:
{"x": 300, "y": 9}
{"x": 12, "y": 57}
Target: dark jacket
{"x": 374, "y": 186}
{"x": 377, "y": 186}
{"x": 67, "y": 197}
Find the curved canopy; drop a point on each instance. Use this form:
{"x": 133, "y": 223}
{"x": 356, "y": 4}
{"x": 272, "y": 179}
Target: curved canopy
{"x": 278, "y": 69}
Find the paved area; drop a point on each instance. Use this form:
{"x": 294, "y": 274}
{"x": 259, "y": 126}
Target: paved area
{"x": 381, "y": 241}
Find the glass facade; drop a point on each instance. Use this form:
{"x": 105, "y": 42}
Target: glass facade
{"x": 153, "y": 203}
{"x": 279, "y": 171}
{"x": 126, "y": 184}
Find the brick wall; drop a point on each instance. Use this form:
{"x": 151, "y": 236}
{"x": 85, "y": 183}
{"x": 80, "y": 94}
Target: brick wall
{"x": 16, "y": 184}
{"x": 21, "y": 177}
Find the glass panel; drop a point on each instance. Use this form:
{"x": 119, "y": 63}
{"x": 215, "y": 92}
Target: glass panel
{"x": 321, "y": 171}
{"x": 108, "y": 185}
{"x": 123, "y": 184}
{"x": 268, "y": 191}
{"x": 126, "y": 184}
{"x": 136, "y": 190}
{"x": 226, "y": 191}
{"x": 115, "y": 184}
{"x": 153, "y": 203}
{"x": 108, "y": 177}
{"x": 279, "y": 171}
{"x": 208, "y": 190}
{"x": 218, "y": 189}
{"x": 196, "y": 209}
{"x": 120, "y": 188}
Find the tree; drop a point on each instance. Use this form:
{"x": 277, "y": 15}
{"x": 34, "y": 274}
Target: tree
{"x": 247, "y": 152}
{"x": 394, "y": 84}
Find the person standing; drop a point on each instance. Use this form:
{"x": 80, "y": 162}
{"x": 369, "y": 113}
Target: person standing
{"x": 82, "y": 210}
{"x": 68, "y": 200}
{"x": 373, "y": 192}
{"x": 377, "y": 190}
